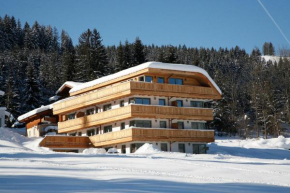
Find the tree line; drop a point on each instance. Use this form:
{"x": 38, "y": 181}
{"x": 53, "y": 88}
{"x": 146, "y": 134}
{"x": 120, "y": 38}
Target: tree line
{"x": 36, "y": 60}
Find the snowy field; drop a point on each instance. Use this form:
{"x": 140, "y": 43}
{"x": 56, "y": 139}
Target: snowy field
{"x": 232, "y": 165}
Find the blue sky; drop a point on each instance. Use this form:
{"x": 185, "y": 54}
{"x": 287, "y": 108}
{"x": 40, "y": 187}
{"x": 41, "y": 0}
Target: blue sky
{"x": 195, "y": 23}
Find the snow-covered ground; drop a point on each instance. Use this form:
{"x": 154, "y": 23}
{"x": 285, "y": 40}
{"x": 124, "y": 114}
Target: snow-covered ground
{"x": 232, "y": 165}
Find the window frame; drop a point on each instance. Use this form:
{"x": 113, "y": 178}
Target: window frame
{"x": 140, "y": 123}
{"x": 110, "y": 127}
{"x": 162, "y": 100}
{"x": 160, "y": 78}
{"x": 174, "y": 81}
{"x": 178, "y": 103}
{"x": 107, "y": 105}
{"x": 122, "y": 103}
{"x": 122, "y": 126}
{"x": 183, "y": 147}
{"x": 182, "y": 124}
{"x": 69, "y": 116}
{"x": 162, "y": 122}
{"x": 197, "y": 106}
{"x": 90, "y": 110}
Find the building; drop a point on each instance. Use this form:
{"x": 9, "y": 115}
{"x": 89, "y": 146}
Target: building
{"x": 2, "y": 112}
{"x": 41, "y": 121}
{"x": 159, "y": 103}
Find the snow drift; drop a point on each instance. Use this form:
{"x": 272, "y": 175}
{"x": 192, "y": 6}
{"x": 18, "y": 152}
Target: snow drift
{"x": 94, "y": 151}
{"x": 147, "y": 148}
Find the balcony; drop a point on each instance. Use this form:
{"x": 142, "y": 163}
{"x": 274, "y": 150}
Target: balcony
{"x": 133, "y": 88}
{"x": 143, "y": 111}
{"x": 65, "y": 142}
{"x": 142, "y": 134}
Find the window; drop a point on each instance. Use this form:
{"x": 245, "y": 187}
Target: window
{"x": 199, "y": 104}
{"x": 97, "y": 109}
{"x": 122, "y": 103}
{"x": 163, "y": 124}
{"x": 181, "y": 147}
{"x": 146, "y": 79}
{"x": 91, "y": 132}
{"x": 80, "y": 133}
{"x": 177, "y": 81}
{"x": 122, "y": 125}
{"x": 179, "y": 103}
{"x": 71, "y": 116}
{"x": 199, "y": 148}
{"x": 198, "y": 125}
{"x": 162, "y": 102}
{"x": 140, "y": 101}
{"x": 73, "y": 134}
{"x": 108, "y": 129}
{"x": 180, "y": 125}
{"x": 90, "y": 111}
{"x": 135, "y": 146}
{"x": 98, "y": 131}
{"x": 140, "y": 123}
{"x": 164, "y": 147}
{"x": 160, "y": 80}
{"x": 107, "y": 107}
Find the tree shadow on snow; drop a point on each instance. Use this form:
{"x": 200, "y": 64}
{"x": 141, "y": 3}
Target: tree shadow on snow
{"x": 41, "y": 184}
{"x": 279, "y": 154}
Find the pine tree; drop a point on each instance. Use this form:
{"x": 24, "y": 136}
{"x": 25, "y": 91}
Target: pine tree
{"x": 138, "y": 56}
{"x": 92, "y": 59}
{"x": 31, "y": 95}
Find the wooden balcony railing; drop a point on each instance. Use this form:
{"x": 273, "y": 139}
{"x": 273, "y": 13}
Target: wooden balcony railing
{"x": 149, "y": 134}
{"x": 65, "y": 142}
{"x": 144, "y": 111}
{"x": 133, "y": 88}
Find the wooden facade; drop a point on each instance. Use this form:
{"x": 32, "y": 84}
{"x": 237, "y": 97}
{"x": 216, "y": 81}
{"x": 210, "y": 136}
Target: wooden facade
{"x": 162, "y": 135}
{"x": 134, "y": 88}
{"x": 142, "y": 111}
{"x": 65, "y": 142}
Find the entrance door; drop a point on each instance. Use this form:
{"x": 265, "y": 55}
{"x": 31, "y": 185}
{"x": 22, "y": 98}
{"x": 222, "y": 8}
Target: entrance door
{"x": 164, "y": 147}
{"x": 123, "y": 149}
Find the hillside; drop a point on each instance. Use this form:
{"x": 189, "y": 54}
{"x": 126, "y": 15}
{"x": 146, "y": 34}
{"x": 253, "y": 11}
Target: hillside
{"x": 232, "y": 165}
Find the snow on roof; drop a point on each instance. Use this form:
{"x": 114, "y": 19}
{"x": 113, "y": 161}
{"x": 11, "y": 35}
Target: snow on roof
{"x": 35, "y": 111}
{"x": 158, "y": 65}
{"x": 68, "y": 83}
{"x": 40, "y": 109}
{"x": 1, "y": 93}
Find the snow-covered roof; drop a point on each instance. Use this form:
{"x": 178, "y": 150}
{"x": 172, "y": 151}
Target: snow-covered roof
{"x": 69, "y": 84}
{"x": 40, "y": 109}
{"x": 158, "y": 65}
{"x": 34, "y": 112}
{"x": 1, "y": 93}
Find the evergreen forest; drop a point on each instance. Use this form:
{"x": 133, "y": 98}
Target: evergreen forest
{"x": 36, "y": 60}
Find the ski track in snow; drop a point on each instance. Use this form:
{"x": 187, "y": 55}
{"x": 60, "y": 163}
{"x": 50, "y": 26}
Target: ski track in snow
{"x": 152, "y": 172}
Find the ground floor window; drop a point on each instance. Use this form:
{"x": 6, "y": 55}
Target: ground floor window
{"x": 163, "y": 124}
{"x": 135, "y": 146}
{"x": 164, "y": 147}
{"x": 199, "y": 148}
{"x": 181, "y": 147}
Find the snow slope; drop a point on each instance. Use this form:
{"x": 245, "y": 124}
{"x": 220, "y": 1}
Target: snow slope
{"x": 229, "y": 167}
